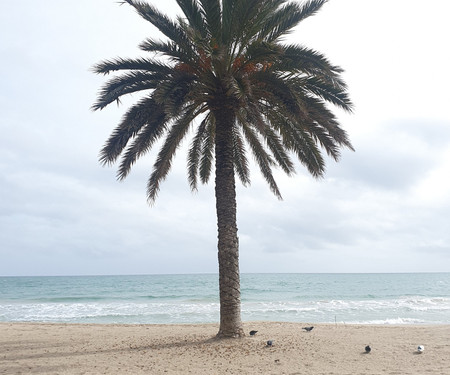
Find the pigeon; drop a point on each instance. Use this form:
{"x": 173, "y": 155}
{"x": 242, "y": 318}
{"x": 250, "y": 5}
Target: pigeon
{"x": 368, "y": 349}
{"x": 270, "y": 343}
{"x": 420, "y": 348}
{"x": 308, "y": 329}
{"x": 253, "y": 333}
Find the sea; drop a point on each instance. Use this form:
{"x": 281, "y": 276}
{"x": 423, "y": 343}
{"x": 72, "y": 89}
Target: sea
{"x": 406, "y": 298}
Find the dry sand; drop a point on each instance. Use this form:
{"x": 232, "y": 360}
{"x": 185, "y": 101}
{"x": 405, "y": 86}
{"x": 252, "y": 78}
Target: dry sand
{"x": 34, "y": 348}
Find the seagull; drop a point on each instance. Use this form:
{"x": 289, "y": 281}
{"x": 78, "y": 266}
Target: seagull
{"x": 270, "y": 343}
{"x": 420, "y": 348}
{"x": 308, "y": 329}
{"x": 253, "y": 333}
{"x": 368, "y": 349}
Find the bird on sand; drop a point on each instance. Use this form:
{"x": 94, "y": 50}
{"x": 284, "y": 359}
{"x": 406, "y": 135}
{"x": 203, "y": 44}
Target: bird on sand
{"x": 270, "y": 343}
{"x": 253, "y": 333}
{"x": 420, "y": 348}
{"x": 368, "y": 349}
{"x": 308, "y": 329}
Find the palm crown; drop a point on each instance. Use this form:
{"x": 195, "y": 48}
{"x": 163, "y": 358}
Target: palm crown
{"x": 226, "y": 55}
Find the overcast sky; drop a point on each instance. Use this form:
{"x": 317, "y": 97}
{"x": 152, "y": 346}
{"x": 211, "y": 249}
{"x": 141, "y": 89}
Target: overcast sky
{"x": 383, "y": 208}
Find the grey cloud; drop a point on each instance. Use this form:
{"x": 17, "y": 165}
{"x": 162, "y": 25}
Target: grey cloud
{"x": 396, "y": 156}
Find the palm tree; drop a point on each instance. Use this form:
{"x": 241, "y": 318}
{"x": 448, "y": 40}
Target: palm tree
{"x": 223, "y": 71}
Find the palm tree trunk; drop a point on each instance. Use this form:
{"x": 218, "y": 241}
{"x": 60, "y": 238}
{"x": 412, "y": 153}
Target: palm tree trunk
{"x": 228, "y": 246}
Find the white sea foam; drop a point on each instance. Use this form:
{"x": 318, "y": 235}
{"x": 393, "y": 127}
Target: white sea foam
{"x": 393, "y": 321}
{"x": 111, "y": 312}
{"x": 407, "y": 310}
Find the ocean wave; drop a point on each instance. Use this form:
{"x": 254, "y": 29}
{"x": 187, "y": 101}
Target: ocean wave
{"x": 362, "y": 299}
{"x": 110, "y": 312}
{"x": 406, "y": 310}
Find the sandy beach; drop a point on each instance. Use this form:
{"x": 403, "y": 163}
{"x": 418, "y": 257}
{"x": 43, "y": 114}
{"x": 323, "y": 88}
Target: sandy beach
{"x": 36, "y": 348}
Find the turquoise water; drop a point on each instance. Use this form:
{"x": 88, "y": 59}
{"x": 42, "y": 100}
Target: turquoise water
{"x": 422, "y": 298}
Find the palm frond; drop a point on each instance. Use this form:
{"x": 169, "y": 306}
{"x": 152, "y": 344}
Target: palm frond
{"x": 194, "y": 16}
{"x": 212, "y": 14}
{"x": 323, "y": 116}
{"x": 298, "y": 140}
{"x": 263, "y": 159}
{"x": 126, "y": 84}
{"x": 169, "y": 50}
{"x": 254, "y": 116}
{"x": 258, "y": 56}
{"x": 243, "y": 26}
{"x": 276, "y": 88}
{"x": 150, "y": 65}
{"x": 142, "y": 143}
{"x": 299, "y": 59}
{"x": 289, "y": 16}
{"x": 195, "y": 153}
{"x": 327, "y": 92}
{"x": 207, "y": 152}
{"x": 164, "y": 159}
{"x": 145, "y": 112}
{"x": 172, "y": 91}
{"x": 169, "y": 28}
{"x": 309, "y": 115}
{"x": 228, "y": 11}
{"x": 297, "y": 137}
{"x": 240, "y": 158}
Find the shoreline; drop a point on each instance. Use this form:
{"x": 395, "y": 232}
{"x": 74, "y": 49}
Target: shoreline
{"x": 78, "y": 348}
{"x": 245, "y": 323}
